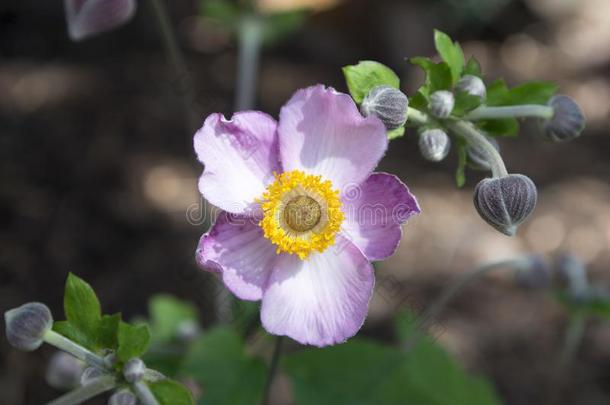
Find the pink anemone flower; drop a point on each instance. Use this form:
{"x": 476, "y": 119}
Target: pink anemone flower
{"x": 302, "y": 213}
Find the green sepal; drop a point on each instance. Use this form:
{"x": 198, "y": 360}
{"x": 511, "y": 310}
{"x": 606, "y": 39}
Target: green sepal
{"x": 361, "y": 78}
{"x": 396, "y": 133}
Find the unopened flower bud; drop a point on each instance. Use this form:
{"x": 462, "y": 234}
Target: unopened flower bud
{"x": 434, "y": 144}
{"x": 27, "y": 325}
{"x": 388, "y": 104}
{"x": 534, "y": 273}
{"x": 472, "y": 85}
{"x": 568, "y": 120}
{"x": 110, "y": 360}
{"x": 134, "y": 370}
{"x": 573, "y": 274}
{"x": 442, "y": 103}
{"x": 90, "y": 374}
{"x": 124, "y": 397}
{"x": 478, "y": 157}
{"x": 505, "y": 202}
{"x": 64, "y": 371}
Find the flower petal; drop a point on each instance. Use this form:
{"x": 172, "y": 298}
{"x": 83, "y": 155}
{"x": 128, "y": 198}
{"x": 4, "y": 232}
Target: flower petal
{"x": 374, "y": 212}
{"x": 89, "y": 17}
{"x": 322, "y": 132}
{"x": 322, "y": 300}
{"x": 236, "y": 248}
{"x": 240, "y": 156}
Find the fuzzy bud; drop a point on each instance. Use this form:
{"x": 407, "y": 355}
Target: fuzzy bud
{"x": 434, "y": 144}
{"x": 64, "y": 371}
{"x": 568, "y": 120}
{"x": 90, "y": 374}
{"x": 27, "y": 325}
{"x": 134, "y": 370}
{"x": 477, "y": 156}
{"x": 505, "y": 202}
{"x": 124, "y": 397}
{"x": 388, "y": 104}
{"x": 472, "y": 85}
{"x": 442, "y": 103}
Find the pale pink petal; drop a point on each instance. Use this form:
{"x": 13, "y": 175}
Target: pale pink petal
{"x": 86, "y": 18}
{"x": 235, "y": 247}
{"x": 240, "y": 156}
{"x": 322, "y": 132}
{"x": 374, "y": 212}
{"x": 322, "y": 300}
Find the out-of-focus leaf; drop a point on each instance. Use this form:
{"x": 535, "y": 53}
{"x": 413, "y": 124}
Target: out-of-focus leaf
{"x": 460, "y": 173}
{"x": 223, "y": 11}
{"x": 133, "y": 341}
{"x": 170, "y": 392}
{"x": 361, "y": 78}
{"x": 451, "y": 52}
{"x": 278, "y": 26}
{"x": 465, "y": 103}
{"x": 500, "y": 127}
{"x": 595, "y": 305}
{"x": 229, "y": 376}
{"x": 167, "y": 314}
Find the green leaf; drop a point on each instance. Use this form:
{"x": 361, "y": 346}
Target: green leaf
{"x": 107, "y": 337}
{"x": 500, "y": 127}
{"x": 473, "y": 67}
{"x": 498, "y": 94}
{"x": 66, "y": 329}
{"x": 361, "y": 78}
{"x": 460, "y": 173}
{"x": 451, "y": 52}
{"x": 170, "y": 392}
{"x": 219, "y": 362}
{"x": 465, "y": 103}
{"x": 222, "y": 11}
{"x": 167, "y": 314}
{"x": 418, "y": 101}
{"x": 396, "y": 133}
{"x": 438, "y": 75}
{"x": 82, "y": 310}
{"x": 133, "y": 341}
{"x": 279, "y": 25}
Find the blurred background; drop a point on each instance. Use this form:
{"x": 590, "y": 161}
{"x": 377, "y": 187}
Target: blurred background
{"x": 98, "y": 174}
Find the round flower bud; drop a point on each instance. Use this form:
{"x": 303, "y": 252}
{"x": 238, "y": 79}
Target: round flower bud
{"x": 134, "y": 370}
{"x": 434, "y": 144}
{"x": 534, "y": 273}
{"x": 388, "y": 104}
{"x": 505, "y": 202}
{"x": 477, "y": 156}
{"x": 568, "y": 120}
{"x": 90, "y": 374}
{"x": 442, "y": 103}
{"x": 472, "y": 85}
{"x": 64, "y": 371}
{"x": 123, "y": 397}
{"x": 27, "y": 325}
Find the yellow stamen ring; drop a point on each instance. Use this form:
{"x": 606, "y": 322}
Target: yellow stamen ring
{"x": 302, "y": 213}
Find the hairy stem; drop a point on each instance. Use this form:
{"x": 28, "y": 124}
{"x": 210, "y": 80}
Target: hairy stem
{"x": 81, "y": 394}
{"x": 517, "y": 111}
{"x": 61, "y": 342}
{"x": 250, "y": 37}
{"x": 183, "y": 80}
{"x": 417, "y": 117}
{"x": 451, "y": 291}
{"x": 277, "y": 352}
{"x": 144, "y": 393}
{"x": 476, "y": 139}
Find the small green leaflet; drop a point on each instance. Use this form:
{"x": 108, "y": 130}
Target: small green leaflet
{"x": 465, "y": 103}
{"x": 473, "y": 67}
{"x": 451, "y": 52}
{"x": 133, "y": 341}
{"x": 170, "y": 392}
{"x": 396, "y": 133}
{"x": 537, "y": 92}
{"x": 167, "y": 314}
{"x": 438, "y": 75}
{"x": 361, "y": 78}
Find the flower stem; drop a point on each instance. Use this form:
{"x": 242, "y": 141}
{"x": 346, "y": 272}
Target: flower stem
{"x": 250, "y": 35}
{"x": 55, "y": 339}
{"x": 572, "y": 340}
{"x": 183, "y": 77}
{"x": 476, "y": 139}
{"x": 417, "y": 117}
{"x": 451, "y": 291}
{"x": 517, "y": 111}
{"x": 81, "y": 394}
{"x": 277, "y": 352}
{"x": 144, "y": 393}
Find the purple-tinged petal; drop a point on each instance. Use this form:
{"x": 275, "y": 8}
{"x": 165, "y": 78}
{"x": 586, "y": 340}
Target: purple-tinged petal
{"x": 322, "y": 300}
{"x": 240, "y": 156}
{"x": 235, "y": 247}
{"x": 86, "y": 18}
{"x": 322, "y": 132}
{"x": 374, "y": 212}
